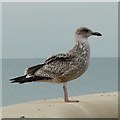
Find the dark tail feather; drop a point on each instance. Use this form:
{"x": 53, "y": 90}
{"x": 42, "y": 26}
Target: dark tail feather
{"x": 23, "y": 79}
{"x": 18, "y": 79}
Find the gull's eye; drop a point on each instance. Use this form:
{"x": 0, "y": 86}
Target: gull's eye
{"x": 85, "y": 30}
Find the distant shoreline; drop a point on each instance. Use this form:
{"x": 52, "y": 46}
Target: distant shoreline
{"x": 102, "y": 105}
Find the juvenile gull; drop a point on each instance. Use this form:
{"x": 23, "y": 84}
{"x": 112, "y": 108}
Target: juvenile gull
{"x": 62, "y": 67}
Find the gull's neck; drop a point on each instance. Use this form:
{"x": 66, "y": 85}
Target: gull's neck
{"x": 80, "y": 40}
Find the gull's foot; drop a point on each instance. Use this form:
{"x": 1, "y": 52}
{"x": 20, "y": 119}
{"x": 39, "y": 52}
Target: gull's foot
{"x": 71, "y": 100}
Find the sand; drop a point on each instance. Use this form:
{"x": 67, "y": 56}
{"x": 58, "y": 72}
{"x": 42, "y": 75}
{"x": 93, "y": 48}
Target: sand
{"x": 102, "y": 105}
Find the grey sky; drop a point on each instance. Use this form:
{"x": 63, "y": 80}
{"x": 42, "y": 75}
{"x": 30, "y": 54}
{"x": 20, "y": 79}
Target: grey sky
{"x": 0, "y": 53}
{"x": 59, "y": 0}
{"x": 0, "y": 30}
{"x": 37, "y": 30}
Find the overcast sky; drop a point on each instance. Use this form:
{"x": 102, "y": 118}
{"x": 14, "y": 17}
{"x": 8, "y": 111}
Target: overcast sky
{"x": 59, "y": 0}
{"x": 0, "y": 53}
{"x": 37, "y": 30}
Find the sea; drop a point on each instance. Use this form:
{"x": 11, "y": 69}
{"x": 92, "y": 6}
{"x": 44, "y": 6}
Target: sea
{"x": 101, "y": 77}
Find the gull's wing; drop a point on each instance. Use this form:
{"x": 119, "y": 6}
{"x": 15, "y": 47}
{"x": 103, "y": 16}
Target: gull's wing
{"x": 52, "y": 68}
{"x": 61, "y": 57}
{"x": 56, "y": 65}
{"x": 31, "y": 70}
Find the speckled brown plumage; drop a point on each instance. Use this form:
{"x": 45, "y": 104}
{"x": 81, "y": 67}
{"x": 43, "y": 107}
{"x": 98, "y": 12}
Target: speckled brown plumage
{"x": 62, "y": 67}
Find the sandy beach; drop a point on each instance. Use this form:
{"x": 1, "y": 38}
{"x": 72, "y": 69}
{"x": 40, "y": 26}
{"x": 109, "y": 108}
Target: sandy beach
{"x": 102, "y": 105}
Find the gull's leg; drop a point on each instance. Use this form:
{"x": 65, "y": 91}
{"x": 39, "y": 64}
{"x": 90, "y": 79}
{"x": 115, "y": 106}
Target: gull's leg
{"x": 66, "y": 93}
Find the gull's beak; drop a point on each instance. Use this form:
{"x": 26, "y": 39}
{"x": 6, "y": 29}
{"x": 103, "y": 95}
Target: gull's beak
{"x": 96, "y": 33}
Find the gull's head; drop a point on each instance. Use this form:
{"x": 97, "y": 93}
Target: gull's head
{"x": 84, "y": 32}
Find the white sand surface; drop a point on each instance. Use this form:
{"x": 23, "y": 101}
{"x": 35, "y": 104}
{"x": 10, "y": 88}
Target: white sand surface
{"x": 102, "y": 105}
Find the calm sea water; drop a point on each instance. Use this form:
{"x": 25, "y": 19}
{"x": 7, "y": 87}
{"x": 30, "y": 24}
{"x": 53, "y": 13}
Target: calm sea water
{"x": 101, "y": 76}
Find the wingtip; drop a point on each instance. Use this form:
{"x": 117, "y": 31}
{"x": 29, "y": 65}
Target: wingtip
{"x": 11, "y": 79}
{"x": 14, "y": 81}
{"x": 18, "y": 79}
